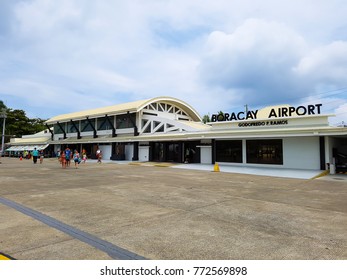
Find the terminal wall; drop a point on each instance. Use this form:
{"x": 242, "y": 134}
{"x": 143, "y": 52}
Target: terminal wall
{"x": 301, "y": 153}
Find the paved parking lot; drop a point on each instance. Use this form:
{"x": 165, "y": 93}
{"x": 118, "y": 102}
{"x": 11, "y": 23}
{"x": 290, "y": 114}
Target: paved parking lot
{"x": 131, "y": 211}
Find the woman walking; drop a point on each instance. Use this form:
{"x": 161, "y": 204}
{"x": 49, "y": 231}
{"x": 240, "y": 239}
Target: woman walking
{"x": 76, "y": 158}
{"x": 35, "y": 154}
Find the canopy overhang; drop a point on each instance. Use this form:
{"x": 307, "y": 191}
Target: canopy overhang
{"x": 26, "y": 148}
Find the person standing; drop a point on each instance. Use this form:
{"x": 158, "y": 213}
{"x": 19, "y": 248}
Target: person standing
{"x": 67, "y": 156}
{"x": 187, "y": 155}
{"x": 76, "y": 158}
{"x": 99, "y": 156}
{"x": 62, "y": 159}
{"x": 84, "y": 156}
{"x": 35, "y": 154}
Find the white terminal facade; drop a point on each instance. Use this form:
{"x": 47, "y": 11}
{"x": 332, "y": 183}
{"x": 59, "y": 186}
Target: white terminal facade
{"x": 166, "y": 129}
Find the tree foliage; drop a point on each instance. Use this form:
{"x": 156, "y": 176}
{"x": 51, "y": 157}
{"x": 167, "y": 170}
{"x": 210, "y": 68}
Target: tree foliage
{"x": 2, "y": 105}
{"x": 206, "y": 118}
{"x": 18, "y": 124}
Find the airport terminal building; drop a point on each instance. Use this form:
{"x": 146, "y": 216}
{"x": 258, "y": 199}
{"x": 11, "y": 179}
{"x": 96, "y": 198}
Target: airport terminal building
{"x": 166, "y": 129}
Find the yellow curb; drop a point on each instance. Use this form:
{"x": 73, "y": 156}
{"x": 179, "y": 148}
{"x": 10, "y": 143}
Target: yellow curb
{"x": 135, "y": 163}
{"x": 163, "y": 164}
{"x": 150, "y": 163}
{"x": 4, "y": 258}
{"x": 324, "y": 173}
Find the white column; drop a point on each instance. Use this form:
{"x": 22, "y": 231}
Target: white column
{"x": 328, "y": 149}
{"x": 244, "y": 151}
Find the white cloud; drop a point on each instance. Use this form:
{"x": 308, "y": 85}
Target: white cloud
{"x": 265, "y": 62}
{"x": 257, "y": 59}
{"x": 340, "y": 115}
{"x": 215, "y": 55}
{"x": 327, "y": 64}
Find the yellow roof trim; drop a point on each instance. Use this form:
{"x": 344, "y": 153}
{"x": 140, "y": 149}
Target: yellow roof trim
{"x": 115, "y": 109}
{"x": 134, "y": 106}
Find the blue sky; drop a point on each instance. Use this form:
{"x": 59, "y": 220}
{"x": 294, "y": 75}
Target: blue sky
{"x": 64, "y": 56}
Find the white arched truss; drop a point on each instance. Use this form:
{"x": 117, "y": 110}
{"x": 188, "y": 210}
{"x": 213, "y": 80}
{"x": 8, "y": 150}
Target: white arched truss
{"x": 163, "y": 117}
{"x": 163, "y": 107}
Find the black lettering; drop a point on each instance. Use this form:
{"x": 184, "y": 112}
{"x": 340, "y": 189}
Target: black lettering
{"x": 249, "y": 115}
{"x": 255, "y": 114}
{"x": 279, "y": 122}
{"x": 220, "y": 118}
{"x": 240, "y": 118}
{"x": 318, "y": 108}
{"x": 272, "y": 114}
{"x": 109, "y": 271}
{"x": 311, "y": 109}
{"x": 233, "y": 117}
{"x": 226, "y": 116}
{"x": 252, "y": 124}
{"x": 213, "y": 118}
{"x": 284, "y": 112}
{"x": 298, "y": 111}
{"x": 291, "y": 111}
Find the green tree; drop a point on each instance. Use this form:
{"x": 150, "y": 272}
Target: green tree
{"x": 18, "y": 124}
{"x": 2, "y": 105}
{"x": 206, "y": 118}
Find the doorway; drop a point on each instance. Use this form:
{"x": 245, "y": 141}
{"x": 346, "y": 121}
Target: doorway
{"x": 158, "y": 151}
{"x": 173, "y": 152}
{"x": 166, "y": 151}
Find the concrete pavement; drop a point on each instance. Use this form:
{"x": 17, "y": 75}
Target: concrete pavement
{"x": 229, "y": 168}
{"x": 168, "y": 213}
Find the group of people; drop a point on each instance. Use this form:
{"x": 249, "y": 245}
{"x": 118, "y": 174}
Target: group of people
{"x": 34, "y": 154}
{"x": 66, "y": 156}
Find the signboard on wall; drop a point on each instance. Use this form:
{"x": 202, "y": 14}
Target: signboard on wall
{"x": 279, "y": 112}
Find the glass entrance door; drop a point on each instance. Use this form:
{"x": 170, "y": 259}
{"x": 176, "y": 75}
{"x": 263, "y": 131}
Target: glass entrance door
{"x": 158, "y": 152}
{"x": 173, "y": 152}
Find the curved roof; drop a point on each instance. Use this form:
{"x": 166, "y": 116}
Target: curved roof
{"x": 134, "y": 106}
{"x": 177, "y": 102}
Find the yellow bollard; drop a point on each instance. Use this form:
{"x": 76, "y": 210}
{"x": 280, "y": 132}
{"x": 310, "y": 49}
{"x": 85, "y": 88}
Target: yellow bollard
{"x": 216, "y": 167}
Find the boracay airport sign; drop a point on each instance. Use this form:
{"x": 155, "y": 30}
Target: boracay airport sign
{"x": 280, "y": 112}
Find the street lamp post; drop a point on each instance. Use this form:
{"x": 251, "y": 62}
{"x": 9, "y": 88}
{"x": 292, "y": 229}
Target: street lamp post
{"x": 3, "y": 115}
